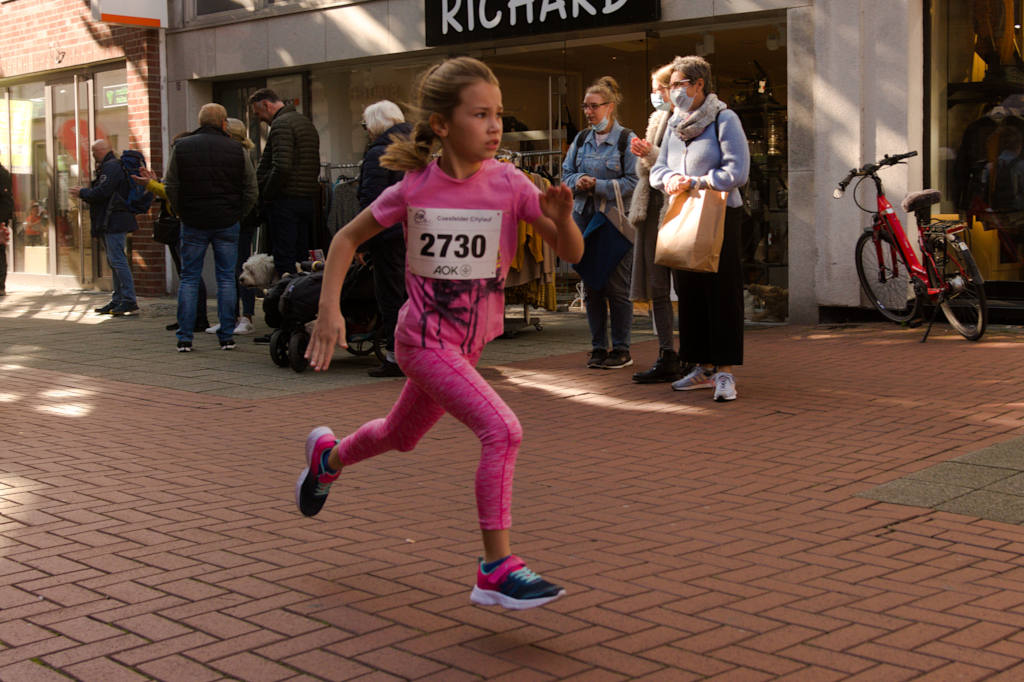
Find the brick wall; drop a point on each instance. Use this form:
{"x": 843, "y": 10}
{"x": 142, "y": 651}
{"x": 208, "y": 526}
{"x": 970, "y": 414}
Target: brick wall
{"x": 55, "y": 35}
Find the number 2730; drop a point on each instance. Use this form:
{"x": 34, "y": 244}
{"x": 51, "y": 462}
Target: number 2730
{"x": 464, "y": 245}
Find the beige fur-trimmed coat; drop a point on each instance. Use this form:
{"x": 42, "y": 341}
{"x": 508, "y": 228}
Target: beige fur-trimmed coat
{"x": 656, "y": 126}
{"x": 649, "y": 281}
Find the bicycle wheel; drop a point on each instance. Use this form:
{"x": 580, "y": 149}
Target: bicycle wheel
{"x": 888, "y": 285}
{"x": 965, "y": 305}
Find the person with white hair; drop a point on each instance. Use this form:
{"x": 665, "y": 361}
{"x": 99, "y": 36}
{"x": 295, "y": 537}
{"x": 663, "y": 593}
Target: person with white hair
{"x": 382, "y": 121}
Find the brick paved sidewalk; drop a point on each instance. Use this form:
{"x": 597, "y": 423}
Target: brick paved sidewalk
{"x": 150, "y": 533}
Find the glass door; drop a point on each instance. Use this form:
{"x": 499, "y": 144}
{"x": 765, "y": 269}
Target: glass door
{"x": 72, "y": 164}
{"x": 31, "y": 177}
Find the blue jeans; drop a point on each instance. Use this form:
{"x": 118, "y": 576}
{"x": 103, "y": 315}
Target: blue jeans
{"x": 613, "y": 299}
{"x": 193, "y": 251}
{"x": 290, "y": 220}
{"x": 124, "y": 285}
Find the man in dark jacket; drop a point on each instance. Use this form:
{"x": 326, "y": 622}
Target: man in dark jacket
{"x": 211, "y": 184}
{"x": 383, "y": 120}
{"x": 6, "y": 214}
{"x": 288, "y": 178}
{"x": 112, "y": 226}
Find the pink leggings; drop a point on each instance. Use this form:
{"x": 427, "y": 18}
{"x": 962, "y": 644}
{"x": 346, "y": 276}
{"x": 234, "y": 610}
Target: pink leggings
{"x": 442, "y": 381}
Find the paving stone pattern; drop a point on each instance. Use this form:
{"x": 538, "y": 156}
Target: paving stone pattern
{"x": 148, "y": 528}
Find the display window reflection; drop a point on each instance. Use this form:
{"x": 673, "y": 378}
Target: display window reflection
{"x": 25, "y": 125}
{"x": 979, "y": 113}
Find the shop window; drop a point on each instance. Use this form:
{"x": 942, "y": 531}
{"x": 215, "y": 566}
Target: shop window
{"x": 26, "y": 122}
{"x": 978, "y": 102}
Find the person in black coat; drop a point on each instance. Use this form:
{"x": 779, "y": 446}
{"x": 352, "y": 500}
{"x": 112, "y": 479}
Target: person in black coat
{"x": 383, "y": 120}
{"x": 112, "y": 228}
{"x": 212, "y": 186}
{"x": 6, "y": 214}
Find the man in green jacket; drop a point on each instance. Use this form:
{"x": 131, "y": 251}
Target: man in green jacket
{"x": 288, "y": 175}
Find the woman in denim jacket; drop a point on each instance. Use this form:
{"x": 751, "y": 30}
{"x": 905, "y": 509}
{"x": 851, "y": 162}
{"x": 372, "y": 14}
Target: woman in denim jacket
{"x": 589, "y": 170}
{"x": 705, "y": 148}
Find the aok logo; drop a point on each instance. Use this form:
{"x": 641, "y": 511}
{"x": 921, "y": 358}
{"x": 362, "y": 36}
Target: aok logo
{"x": 419, "y": 216}
{"x": 449, "y": 270}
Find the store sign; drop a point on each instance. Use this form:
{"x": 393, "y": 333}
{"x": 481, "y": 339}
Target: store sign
{"x": 115, "y": 96}
{"x": 464, "y": 21}
{"x": 146, "y": 13}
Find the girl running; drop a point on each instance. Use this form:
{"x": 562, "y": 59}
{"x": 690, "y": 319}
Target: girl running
{"x": 460, "y": 216}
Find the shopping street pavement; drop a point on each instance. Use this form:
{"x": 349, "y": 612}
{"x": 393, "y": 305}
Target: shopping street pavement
{"x": 854, "y": 515}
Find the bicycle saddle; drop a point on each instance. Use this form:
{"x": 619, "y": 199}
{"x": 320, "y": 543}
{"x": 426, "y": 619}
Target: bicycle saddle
{"x": 915, "y": 201}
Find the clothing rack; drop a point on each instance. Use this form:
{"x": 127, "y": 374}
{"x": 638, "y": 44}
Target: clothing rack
{"x": 514, "y": 325}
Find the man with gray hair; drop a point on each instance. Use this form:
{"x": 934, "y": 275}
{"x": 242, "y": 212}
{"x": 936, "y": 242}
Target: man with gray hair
{"x": 112, "y": 227}
{"x": 212, "y": 185}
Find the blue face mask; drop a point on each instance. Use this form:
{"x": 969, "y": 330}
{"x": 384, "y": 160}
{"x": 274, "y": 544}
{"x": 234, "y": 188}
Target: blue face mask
{"x": 658, "y": 103}
{"x": 682, "y": 101}
{"x": 600, "y": 125}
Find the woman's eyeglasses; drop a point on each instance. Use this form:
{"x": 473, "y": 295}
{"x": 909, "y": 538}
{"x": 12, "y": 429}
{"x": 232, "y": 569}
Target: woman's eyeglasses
{"x": 592, "y": 107}
{"x": 363, "y": 123}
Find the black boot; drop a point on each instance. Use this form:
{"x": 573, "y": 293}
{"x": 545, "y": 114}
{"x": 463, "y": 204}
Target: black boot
{"x": 665, "y": 369}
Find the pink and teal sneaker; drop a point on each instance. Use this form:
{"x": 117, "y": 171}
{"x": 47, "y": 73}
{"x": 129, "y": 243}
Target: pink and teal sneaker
{"x": 512, "y": 585}
{"x": 315, "y": 482}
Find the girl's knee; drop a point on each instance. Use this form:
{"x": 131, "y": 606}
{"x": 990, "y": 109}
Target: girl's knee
{"x": 510, "y": 435}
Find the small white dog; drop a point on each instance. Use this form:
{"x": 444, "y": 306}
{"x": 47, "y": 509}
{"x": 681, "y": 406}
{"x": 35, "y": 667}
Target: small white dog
{"x": 258, "y": 272}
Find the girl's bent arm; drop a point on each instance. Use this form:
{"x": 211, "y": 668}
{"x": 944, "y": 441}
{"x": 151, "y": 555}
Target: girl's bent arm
{"x": 329, "y": 329}
{"x": 556, "y": 225}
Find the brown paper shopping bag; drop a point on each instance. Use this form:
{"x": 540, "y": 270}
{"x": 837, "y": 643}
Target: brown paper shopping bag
{"x": 690, "y": 235}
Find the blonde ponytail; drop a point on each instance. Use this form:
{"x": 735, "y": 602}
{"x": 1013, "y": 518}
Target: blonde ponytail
{"x": 438, "y": 91}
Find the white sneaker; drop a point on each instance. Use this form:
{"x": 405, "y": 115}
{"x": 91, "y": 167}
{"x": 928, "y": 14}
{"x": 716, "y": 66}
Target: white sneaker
{"x": 725, "y": 387}
{"x": 244, "y": 326}
{"x": 214, "y": 329}
{"x": 697, "y": 378}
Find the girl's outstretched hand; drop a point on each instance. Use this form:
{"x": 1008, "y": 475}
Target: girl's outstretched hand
{"x": 556, "y": 203}
{"x": 328, "y": 332}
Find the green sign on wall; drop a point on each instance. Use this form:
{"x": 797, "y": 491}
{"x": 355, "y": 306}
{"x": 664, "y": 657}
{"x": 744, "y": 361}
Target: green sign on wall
{"x": 115, "y": 96}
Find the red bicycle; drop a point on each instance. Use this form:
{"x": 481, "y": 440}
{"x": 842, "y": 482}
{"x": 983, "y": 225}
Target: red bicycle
{"x": 893, "y": 278}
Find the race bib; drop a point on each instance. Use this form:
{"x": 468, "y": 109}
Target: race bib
{"x": 450, "y": 243}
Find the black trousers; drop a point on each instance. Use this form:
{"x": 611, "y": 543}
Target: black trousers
{"x": 388, "y": 257}
{"x": 3, "y": 267}
{"x": 711, "y": 304}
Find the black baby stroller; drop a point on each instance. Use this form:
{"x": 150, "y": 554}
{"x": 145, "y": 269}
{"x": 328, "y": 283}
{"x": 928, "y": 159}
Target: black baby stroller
{"x": 293, "y": 301}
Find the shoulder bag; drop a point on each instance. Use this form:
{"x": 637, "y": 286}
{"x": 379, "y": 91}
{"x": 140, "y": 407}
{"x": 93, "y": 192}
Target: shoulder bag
{"x": 167, "y": 228}
{"x": 691, "y": 233}
{"x": 608, "y": 237}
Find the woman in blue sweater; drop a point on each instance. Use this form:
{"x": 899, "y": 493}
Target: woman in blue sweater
{"x": 705, "y": 147}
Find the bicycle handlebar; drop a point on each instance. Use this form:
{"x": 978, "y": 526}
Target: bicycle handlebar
{"x": 869, "y": 169}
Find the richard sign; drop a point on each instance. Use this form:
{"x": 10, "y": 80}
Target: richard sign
{"x": 463, "y": 21}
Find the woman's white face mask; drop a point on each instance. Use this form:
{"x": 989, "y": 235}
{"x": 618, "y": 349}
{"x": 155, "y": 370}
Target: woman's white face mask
{"x": 682, "y": 100}
{"x": 659, "y": 103}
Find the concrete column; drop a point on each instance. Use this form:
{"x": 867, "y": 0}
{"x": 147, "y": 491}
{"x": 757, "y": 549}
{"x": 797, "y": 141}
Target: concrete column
{"x": 867, "y": 95}
{"x": 803, "y": 249}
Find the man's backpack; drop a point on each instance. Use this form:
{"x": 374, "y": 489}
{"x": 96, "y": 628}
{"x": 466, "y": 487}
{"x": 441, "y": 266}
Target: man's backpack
{"x": 139, "y": 200}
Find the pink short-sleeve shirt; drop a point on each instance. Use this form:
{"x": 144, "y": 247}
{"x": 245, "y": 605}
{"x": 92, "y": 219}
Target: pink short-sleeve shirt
{"x": 452, "y": 312}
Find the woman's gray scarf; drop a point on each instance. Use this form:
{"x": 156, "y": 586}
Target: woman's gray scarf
{"x": 694, "y": 124}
